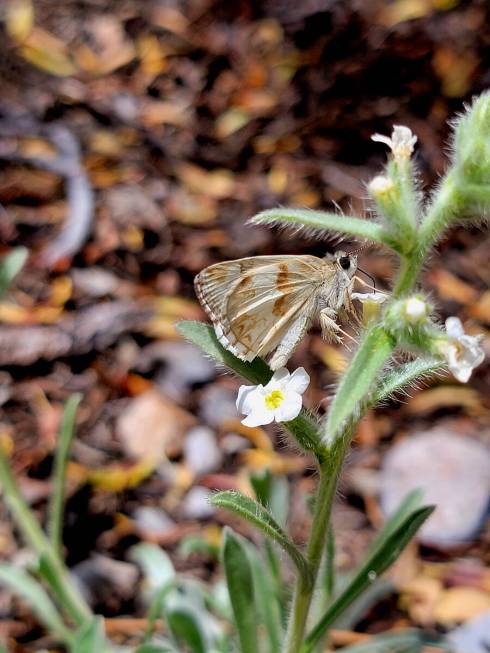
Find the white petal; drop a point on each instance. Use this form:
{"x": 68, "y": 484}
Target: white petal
{"x": 461, "y": 372}
{"x": 403, "y": 136}
{"x": 299, "y": 381}
{"x": 454, "y": 328}
{"x": 259, "y": 417}
{"x": 279, "y": 377}
{"x": 290, "y": 407}
{"x": 375, "y": 298}
{"x": 379, "y": 138}
{"x": 247, "y": 397}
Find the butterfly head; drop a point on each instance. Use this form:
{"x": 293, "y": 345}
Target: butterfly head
{"x": 346, "y": 262}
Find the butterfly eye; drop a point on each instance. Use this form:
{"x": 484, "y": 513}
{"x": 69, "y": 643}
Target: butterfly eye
{"x": 344, "y": 262}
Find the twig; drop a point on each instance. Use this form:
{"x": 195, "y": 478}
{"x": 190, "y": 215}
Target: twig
{"x": 68, "y": 165}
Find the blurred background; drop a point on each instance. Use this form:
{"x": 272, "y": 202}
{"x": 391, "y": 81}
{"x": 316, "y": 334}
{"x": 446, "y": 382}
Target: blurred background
{"x": 136, "y": 138}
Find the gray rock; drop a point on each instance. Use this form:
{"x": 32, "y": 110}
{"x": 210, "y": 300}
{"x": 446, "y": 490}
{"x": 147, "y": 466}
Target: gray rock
{"x": 196, "y": 503}
{"x": 473, "y": 636}
{"x": 184, "y": 365}
{"x": 218, "y": 405}
{"x": 201, "y": 451}
{"x": 153, "y": 520}
{"x": 454, "y": 474}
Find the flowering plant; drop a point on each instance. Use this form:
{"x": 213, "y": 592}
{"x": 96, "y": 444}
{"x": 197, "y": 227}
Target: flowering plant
{"x": 401, "y": 321}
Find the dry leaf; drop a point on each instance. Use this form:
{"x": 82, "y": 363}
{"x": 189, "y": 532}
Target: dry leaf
{"x": 444, "y": 396}
{"x": 458, "y": 604}
{"x": 19, "y": 19}
{"x": 152, "y": 427}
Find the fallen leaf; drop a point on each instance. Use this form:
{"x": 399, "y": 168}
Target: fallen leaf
{"x": 152, "y": 427}
{"x": 443, "y": 396}
{"x": 19, "y": 19}
{"x": 458, "y": 604}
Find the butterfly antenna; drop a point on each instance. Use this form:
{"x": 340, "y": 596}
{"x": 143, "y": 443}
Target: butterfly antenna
{"x": 368, "y": 276}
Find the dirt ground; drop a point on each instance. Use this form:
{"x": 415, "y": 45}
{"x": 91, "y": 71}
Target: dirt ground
{"x": 136, "y": 138}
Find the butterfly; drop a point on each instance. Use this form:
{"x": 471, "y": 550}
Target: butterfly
{"x": 264, "y": 304}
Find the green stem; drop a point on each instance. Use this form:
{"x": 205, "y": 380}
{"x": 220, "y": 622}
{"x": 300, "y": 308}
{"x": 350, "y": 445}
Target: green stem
{"x": 329, "y": 473}
{"x": 59, "y": 475}
{"x": 69, "y": 597}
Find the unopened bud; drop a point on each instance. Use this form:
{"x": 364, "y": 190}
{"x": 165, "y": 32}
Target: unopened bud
{"x": 380, "y": 186}
{"x": 416, "y": 309}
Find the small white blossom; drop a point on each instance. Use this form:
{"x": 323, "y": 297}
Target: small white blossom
{"x": 279, "y": 400}
{"x": 462, "y": 352}
{"x": 370, "y": 297}
{"x": 416, "y": 309}
{"x": 401, "y": 143}
{"x": 370, "y": 304}
{"x": 380, "y": 186}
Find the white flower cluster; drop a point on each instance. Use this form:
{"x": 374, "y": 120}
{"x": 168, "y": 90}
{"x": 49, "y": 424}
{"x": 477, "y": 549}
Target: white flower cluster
{"x": 461, "y": 351}
{"x": 401, "y": 143}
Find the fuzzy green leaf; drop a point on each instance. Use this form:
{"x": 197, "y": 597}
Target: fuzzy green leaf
{"x": 303, "y": 428}
{"x": 266, "y": 598}
{"x": 91, "y": 638}
{"x": 393, "y": 538}
{"x": 404, "y": 641}
{"x": 55, "y": 524}
{"x": 239, "y": 579}
{"x": 405, "y": 375}
{"x": 357, "y": 382}
{"x": 10, "y": 266}
{"x": 185, "y": 627}
{"x": 260, "y": 517}
{"x": 24, "y": 585}
{"x": 324, "y": 221}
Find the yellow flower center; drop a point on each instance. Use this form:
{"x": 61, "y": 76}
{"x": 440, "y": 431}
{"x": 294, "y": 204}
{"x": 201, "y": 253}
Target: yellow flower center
{"x": 274, "y": 399}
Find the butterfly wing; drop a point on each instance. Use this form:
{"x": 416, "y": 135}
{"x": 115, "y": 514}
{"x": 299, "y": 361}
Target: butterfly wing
{"x": 254, "y": 302}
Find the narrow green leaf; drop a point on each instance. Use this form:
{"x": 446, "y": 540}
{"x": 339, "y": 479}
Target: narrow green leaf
{"x": 267, "y": 604}
{"x": 260, "y": 517}
{"x": 55, "y": 521}
{"x": 304, "y": 428}
{"x": 10, "y": 267}
{"x": 411, "y": 503}
{"x": 404, "y": 375}
{"x": 390, "y": 545}
{"x": 156, "y": 565}
{"x": 185, "y": 627}
{"x": 403, "y": 641}
{"x": 91, "y": 638}
{"x": 25, "y": 586}
{"x": 154, "y": 648}
{"x": 239, "y": 578}
{"x": 357, "y": 382}
{"x": 323, "y": 221}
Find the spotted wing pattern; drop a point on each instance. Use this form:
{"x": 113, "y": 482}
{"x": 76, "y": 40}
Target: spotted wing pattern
{"x": 254, "y": 302}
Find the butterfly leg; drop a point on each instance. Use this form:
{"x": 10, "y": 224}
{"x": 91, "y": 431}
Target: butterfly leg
{"x": 330, "y": 328}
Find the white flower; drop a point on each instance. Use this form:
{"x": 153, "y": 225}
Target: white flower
{"x": 279, "y": 400}
{"x": 371, "y": 301}
{"x": 370, "y": 297}
{"x": 380, "y": 186}
{"x": 401, "y": 142}
{"x": 416, "y": 309}
{"x": 462, "y": 352}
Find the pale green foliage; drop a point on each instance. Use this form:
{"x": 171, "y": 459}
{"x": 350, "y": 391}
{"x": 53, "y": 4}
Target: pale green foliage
{"x": 198, "y": 620}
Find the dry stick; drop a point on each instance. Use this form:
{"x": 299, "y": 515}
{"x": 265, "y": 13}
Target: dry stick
{"x": 68, "y": 165}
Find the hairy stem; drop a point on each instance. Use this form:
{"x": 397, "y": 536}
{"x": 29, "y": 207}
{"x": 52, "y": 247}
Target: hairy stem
{"x": 329, "y": 473}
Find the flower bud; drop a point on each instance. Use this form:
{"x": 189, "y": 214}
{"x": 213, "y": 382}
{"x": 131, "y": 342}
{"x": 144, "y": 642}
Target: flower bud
{"x": 381, "y": 186}
{"x": 408, "y": 320}
{"x": 416, "y": 309}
